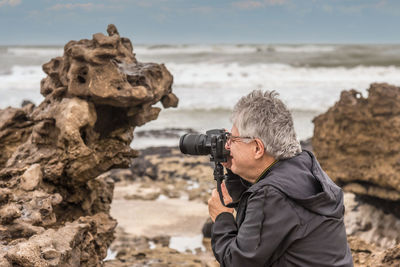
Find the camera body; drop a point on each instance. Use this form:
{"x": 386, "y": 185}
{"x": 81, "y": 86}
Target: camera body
{"x": 212, "y": 143}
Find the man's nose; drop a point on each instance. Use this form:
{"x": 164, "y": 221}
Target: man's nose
{"x": 228, "y": 145}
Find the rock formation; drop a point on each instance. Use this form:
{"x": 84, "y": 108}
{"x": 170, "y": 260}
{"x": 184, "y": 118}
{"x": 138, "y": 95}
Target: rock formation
{"x": 54, "y": 206}
{"x": 357, "y": 141}
{"x": 369, "y": 255}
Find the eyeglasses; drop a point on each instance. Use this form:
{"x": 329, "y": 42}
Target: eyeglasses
{"x": 232, "y": 138}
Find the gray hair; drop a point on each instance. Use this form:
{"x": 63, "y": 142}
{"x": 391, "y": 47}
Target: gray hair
{"x": 264, "y": 116}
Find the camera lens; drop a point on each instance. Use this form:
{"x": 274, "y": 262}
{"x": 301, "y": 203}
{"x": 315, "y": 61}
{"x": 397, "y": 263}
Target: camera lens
{"x": 194, "y": 144}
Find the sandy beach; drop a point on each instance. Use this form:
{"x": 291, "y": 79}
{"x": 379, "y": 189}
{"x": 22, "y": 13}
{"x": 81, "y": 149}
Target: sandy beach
{"x": 177, "y": 217}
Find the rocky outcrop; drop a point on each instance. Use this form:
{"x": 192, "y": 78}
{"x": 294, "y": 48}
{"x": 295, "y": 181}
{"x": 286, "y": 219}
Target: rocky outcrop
{"x": 166, "y": 172}
{"x": 54, "y": 202}
{"x": 357, "y": 142}
{"x": 370, "y": 223}
{"x": 369, "y": 255}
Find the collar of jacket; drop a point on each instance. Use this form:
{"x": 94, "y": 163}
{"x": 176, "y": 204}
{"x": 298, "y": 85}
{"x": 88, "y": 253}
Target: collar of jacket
{"x": 266, "y": 171}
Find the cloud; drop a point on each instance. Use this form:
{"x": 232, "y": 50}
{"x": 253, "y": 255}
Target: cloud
{"x": 247, "y": 4}
{"x": 359, "y": 8}
{"x": 84, "y": 6}
{"x": 10, "y": 2}
{"x": 202, "y": 9}
{"x": 250, "y": 4}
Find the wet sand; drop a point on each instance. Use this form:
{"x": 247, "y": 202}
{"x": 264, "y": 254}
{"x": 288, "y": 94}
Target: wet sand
{"x": 164, "y": 216}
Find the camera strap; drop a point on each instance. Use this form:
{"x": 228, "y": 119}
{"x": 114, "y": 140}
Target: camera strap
{"x": 219, "y": 176}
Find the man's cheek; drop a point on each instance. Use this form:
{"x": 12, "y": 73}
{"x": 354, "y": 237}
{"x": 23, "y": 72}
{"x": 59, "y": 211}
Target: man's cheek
{"x": 233, "y": 165}
{"x": 229, "y": 162}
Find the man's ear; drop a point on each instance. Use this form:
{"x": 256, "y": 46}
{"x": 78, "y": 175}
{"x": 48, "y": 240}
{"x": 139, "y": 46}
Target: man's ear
{"x": 259, "y": 149}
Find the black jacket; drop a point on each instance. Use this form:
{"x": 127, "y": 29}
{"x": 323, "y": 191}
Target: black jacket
{"x": 293, "y": 216}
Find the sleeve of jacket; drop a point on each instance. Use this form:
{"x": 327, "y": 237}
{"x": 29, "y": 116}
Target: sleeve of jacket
{"x": 269, "y": 219}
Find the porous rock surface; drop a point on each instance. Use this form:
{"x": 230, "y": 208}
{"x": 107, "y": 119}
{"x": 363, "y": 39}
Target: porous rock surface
{"x": 368, "y": 255}
{"x": 357, "y": 142}
{"x": 54, "y": 202}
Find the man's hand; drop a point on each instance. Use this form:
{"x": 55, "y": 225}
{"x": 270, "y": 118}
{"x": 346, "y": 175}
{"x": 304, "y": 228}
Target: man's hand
{"x": 227, "y": 164}
{"x": 215, "y": 206}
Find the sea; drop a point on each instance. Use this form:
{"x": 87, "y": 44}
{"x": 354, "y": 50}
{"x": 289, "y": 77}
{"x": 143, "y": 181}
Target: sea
{"x": 210, "y": 79}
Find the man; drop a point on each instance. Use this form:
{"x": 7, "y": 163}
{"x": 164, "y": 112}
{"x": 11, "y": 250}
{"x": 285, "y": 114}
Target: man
{"x": 289, "y": 212}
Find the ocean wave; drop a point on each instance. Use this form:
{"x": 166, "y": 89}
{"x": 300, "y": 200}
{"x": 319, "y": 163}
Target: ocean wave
{"x": 236, "y": 75}
{"x": 35, "y": 51}
{"x": 303, "y": 48}
{"x": 21, "y": 83}
{"x": 233, "y": 49}
{"x": 201, "y": 120}
{"x": 297, "y": 55}
{"x": 22, "y": 78}
{"x": 210, "y": 79}
{"x": 294, "y": 55}
{"x": 194, "y": 49}
{"x": 217, "y": 86}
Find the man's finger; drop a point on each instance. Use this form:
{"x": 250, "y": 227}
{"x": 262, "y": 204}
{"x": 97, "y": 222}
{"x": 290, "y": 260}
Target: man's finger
{"x": 224, "y": 189}
{"x": 214, "y": 193}
{"x": 225, "y": 193}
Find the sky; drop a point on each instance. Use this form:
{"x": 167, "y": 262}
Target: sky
{"x": 55, "y": 22}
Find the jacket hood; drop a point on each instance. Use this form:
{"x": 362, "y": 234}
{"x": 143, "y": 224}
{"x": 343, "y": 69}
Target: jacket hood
{"x": 302, "y": 179}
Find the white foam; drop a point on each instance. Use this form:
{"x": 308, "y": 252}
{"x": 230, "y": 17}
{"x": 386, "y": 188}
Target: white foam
{"x": 35, "y": 51}
{"x": 193, "y": 49}
{"x": 145, "y": 142}
{"x": 210, "y": 86}
{"x": 208, "y": 89}
{"x": 23, "y": 82}
{"x": 230, "y": 49}
{"x": 22, "y": 77}
{"x": 303, "y": 48}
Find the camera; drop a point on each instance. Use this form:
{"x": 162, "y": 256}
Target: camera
{"x": 212, "y": 143}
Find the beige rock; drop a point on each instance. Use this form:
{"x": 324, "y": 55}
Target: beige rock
{"x": 368, "y": 255}
{"x": 54, "y": 200}
{"x": 357, "y": 141}
{"x": 357, "y": 144}
{"x": 9, "y": 212}
{"x": 31, "y": 177}
{"x": 370, "y": 223}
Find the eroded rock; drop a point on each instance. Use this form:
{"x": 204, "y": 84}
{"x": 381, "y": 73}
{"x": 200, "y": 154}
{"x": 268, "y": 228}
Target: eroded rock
{"x": 370, "y": 223}
{"x": 54, "y": 202}
{"x": 357, "y": 141}
{"x": 366, "y": 254}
